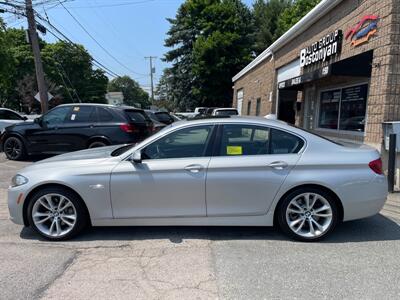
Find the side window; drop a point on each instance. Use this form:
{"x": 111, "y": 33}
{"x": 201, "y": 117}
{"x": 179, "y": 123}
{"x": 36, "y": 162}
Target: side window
{"x": 104, "y": 115}
{"x": 82, "y": 114}
{"x": 285, "y": 143}
{"x": 9, "y": 115}
{"x": 244, "y": 140}
{"x": 187, "y": 142}
{"x": 56, "y": 116}
{"x": 2, "y": 114}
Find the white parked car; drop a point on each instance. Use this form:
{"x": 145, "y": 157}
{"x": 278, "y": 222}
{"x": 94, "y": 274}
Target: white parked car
{"x": 225, "y": 112}
{"x": 231, "y": 171}
{"x": 9, "y": 117}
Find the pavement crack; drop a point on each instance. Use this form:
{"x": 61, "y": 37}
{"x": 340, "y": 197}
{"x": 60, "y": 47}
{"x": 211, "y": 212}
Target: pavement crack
{"x": 38, "y": 294}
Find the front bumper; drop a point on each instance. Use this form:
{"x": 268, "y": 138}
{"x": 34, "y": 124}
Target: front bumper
{"x": 16, "y": 198}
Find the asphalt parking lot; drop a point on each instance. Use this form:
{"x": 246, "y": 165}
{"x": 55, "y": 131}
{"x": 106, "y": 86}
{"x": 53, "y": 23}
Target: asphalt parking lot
{"x": 360, "y": 260}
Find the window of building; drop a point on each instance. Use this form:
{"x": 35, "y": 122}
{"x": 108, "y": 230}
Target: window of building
{"x": 344, "y": 108}
{"x": 248, "y": 108}
{"x": 258, "y": 106}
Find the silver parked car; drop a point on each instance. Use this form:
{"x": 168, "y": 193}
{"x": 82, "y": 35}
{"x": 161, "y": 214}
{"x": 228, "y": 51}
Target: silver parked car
{"x": 9, "y": 117}
{"x": 225, "y": 171}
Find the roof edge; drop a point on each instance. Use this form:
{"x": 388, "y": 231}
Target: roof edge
{"x": 315, "y": 14}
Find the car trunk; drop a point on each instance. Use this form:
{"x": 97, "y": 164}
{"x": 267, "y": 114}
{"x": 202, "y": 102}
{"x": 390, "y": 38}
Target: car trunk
{"x": 141, "y": 123}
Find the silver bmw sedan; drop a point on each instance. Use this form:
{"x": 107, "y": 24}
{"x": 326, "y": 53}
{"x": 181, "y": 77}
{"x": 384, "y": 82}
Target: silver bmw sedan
{"x": 234, "y": 171}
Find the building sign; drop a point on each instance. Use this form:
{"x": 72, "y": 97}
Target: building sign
{"x": 308, "y": 77}
{"x": 322, "y": 50}
{"x": 363, "y": 31}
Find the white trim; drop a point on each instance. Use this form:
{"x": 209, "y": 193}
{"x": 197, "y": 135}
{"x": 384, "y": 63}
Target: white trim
{"x": 314, "y": 15}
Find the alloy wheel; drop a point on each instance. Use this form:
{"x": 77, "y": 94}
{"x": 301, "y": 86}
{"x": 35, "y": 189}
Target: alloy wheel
{"x": 13, "y": 148}
{"x": 309, "y": 215}
{"x": 54, "y": 215}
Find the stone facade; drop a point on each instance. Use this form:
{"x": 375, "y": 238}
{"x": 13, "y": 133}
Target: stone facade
{"x": 383, "y": 103}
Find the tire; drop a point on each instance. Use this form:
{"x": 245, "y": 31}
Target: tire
{"x": 14, "y": 148}
{"x": 308, "y": 224}
{"x": 97, "y": 144}
{"x": 43, "y": 219}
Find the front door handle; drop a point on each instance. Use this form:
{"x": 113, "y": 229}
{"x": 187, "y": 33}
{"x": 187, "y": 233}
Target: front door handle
{"x": 194, "y": 168}
{"x": 278, "y": 165}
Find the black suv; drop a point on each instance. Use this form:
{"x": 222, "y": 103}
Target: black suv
{"x": 72, "y": 127}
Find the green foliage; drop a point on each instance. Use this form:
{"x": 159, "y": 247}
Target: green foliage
{"x": 211, "y": 41}
{"x": 70, "y": 69}
{"x": 291, "y": 15}
{"x": 131, "y": 90}
{"x": 266, "y": 14}
{"x": 69, "y": 73}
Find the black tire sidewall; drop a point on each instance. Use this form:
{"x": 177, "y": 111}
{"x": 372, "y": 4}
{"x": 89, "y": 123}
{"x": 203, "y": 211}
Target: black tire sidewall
{"x": 82, "y": 217}
{"x": 285, "y": 202}
{"x": 97, "y": 142}
{"x": 17, "y": 139}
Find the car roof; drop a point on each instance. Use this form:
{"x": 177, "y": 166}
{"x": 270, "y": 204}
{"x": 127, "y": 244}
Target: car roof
{"x": 233, "y": 119}
{"x": 121, "y": 107}
{"x": 226, "y": 108}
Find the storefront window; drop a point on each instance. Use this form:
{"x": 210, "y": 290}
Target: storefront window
{"x": 344, "y": 109}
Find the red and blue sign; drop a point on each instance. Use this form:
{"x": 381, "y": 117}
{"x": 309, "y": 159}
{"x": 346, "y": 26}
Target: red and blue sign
{"x": 362, "y": 32}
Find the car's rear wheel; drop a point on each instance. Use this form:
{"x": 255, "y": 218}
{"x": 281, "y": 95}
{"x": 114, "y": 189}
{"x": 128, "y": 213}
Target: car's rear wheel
{"x": 308, "y": 214}
{"x": 97, "y": 144}
{"x": 14, "y": 148}
{"x": 57, "y": 214}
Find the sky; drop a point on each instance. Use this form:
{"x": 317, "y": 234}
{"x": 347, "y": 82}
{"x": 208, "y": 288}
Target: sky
{"x": 129, "y": 30}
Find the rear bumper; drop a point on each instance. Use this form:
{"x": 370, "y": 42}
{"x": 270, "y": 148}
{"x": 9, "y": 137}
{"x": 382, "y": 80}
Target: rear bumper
{"x": 366, "y": 201}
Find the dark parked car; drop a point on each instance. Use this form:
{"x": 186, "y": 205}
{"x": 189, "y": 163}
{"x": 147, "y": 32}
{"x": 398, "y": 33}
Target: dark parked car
{"x": 72, "y": 127}
{"x": 161, "y": 116}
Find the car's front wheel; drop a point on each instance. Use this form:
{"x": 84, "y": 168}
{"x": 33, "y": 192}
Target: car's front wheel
{"x": 308, "y": 214}
{"x": 14, "y": 148}
{"x": 56, "y": 214}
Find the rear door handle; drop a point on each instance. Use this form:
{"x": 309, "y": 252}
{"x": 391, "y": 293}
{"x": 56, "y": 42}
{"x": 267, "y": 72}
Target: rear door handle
{"x": 194, "y": 168}
{"x": 278, "y": 165}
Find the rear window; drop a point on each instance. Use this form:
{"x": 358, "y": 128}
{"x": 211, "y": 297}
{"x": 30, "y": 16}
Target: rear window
{"x": 136, "y": 116}
{"x": 164, "y": 117}
{"x": 226, "y": 112}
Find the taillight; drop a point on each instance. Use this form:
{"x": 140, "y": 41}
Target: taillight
{"x": 376, "y": 166}
{"x": 128, "y": 128}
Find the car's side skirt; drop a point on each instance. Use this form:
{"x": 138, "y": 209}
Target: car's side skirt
{"x": 264, "y": 220}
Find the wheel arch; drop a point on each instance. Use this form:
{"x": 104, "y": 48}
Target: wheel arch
{"x": 28, "y": 198}
{"x": 316, "y": 186}
{"x": 98, "y": 138}
{"x": 13, "y": 134}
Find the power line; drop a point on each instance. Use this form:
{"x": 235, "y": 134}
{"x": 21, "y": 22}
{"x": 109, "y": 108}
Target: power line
{"x": 95, "y": 61}
{"x": 101, "y": 46}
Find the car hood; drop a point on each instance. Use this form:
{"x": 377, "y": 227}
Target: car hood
{"x": 89, "y": 154}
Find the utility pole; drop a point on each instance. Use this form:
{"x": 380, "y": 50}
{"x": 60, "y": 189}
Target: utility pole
{"x": 33, "y": 36}
{"x": 152, "y": 71}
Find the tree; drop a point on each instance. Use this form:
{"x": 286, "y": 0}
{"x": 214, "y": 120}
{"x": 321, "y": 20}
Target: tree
{"x": 291, "y": 15}
{"x": 211, "y": 41}
{"x": 131, "y": 90}
{"x": 266, "y": 14}
{"x": 70, "y": 68}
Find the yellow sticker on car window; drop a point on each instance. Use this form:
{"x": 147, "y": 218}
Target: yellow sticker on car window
{"x": 234, "y": 150}
{"x": 77, "y": 108}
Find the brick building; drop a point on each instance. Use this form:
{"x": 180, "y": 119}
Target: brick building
{"x": 337, "y": 71}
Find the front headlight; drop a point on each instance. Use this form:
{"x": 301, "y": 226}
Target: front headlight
{"x": 18, "y": 180}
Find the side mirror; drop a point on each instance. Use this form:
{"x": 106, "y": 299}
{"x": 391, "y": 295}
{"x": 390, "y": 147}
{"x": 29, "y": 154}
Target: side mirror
{"x": 38, "y": 121}
{"x": 24, "y": 118}
{"x": 136, "y": 157}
